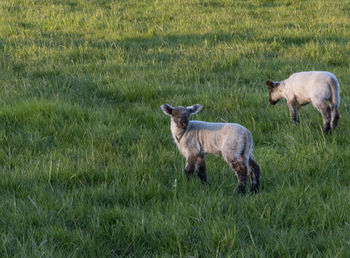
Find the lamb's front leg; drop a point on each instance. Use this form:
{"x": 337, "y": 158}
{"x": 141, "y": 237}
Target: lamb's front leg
{"x": 201, "y": 169}
{"x": 190, "y": 166}
{"x": 293, "y": 110}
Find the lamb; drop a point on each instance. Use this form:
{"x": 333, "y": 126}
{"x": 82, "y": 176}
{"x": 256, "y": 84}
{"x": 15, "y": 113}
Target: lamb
{"x": 318, "y": 87}
{"x": 232, "y": 141}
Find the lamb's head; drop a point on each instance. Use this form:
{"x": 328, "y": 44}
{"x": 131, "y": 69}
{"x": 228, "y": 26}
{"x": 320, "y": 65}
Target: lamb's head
{"x": 274, "y": 91}
{"x": 181, "y": 115}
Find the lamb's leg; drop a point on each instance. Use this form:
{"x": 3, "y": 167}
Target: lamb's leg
{"x": 293, "y": 111}
{"x": 190, "y": 166}
{"x": 201, "y": 169}
{"x": 325, "y": 111}
{"x": 335, "y": 118}
{"x": 254, "y": 172}
{"x": 241, "y": 172}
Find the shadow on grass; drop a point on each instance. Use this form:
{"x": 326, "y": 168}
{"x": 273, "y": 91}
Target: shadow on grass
{"x": 74, "y": 49}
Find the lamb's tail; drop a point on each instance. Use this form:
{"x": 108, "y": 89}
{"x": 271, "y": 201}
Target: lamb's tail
{"x": 248, "y": 148}
{"x": 335, "y": 101}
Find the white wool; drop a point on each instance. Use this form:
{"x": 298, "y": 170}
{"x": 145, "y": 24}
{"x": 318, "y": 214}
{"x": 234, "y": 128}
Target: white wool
{"x": 224, "y": 139}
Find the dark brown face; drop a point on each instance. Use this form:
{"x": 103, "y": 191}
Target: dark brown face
{"x": 272, "y": 86}
{"x": 181, "y": 117}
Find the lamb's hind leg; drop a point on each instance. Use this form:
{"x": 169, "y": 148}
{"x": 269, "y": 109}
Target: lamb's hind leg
{"x": 325, "y": 111}
{"x": 254, "y": 173}
{"x": 240, "y": 168}
{"x": 335, "y": 118}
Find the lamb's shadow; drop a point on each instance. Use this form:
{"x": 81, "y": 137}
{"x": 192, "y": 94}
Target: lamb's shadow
{"x": 82, "y": 51}
{"x": 140, "y": 48}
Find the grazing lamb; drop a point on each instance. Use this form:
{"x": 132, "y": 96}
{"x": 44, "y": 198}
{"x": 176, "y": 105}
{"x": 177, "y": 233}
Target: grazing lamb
{"x": 319, "y": 88}
{"x": 231, "y": 141}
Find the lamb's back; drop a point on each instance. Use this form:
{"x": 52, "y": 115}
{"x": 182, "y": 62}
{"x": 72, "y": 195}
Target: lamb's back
{"x": 211, "y": 137}
{"x": 306, "y": 85}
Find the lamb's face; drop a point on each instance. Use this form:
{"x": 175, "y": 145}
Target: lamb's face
{"x": 274, "y": 97}
{"x": 181, "y": 117}
{"x": 274, "y": 92}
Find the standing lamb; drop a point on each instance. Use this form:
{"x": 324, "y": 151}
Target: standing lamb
{"x": 231, "y": 141}
{"x": 319, "y": 88}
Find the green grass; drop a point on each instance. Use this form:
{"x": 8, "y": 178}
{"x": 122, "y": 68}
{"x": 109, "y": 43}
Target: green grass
{"x": 87, "y": 162}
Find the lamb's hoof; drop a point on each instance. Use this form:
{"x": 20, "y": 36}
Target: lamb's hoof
{"x": 326, "y": 129}
{"x": 204, "y": 182}
{"x": 296, "y": 122}
{"x": 241, "y": 189}
{"x": 254, "y": 188}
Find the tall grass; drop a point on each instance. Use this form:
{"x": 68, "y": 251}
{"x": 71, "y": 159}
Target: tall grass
{"x": 87, "y": 163}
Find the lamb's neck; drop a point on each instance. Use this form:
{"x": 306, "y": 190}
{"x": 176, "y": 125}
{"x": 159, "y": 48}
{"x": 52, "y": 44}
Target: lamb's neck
{"x": 285, "y": 92}
{"x": 176, "y": 131}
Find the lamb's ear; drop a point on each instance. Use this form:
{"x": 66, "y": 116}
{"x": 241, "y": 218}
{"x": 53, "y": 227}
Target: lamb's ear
{"x": 194, "y": 109}
{"x": 167, "y": 109}
{"x": 270, "y": 84}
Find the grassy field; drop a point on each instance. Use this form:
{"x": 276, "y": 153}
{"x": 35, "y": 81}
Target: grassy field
{"x": 87, "y": 163}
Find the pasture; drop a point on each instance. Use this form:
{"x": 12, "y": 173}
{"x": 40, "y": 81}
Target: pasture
{"x": 88, "y": 167}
